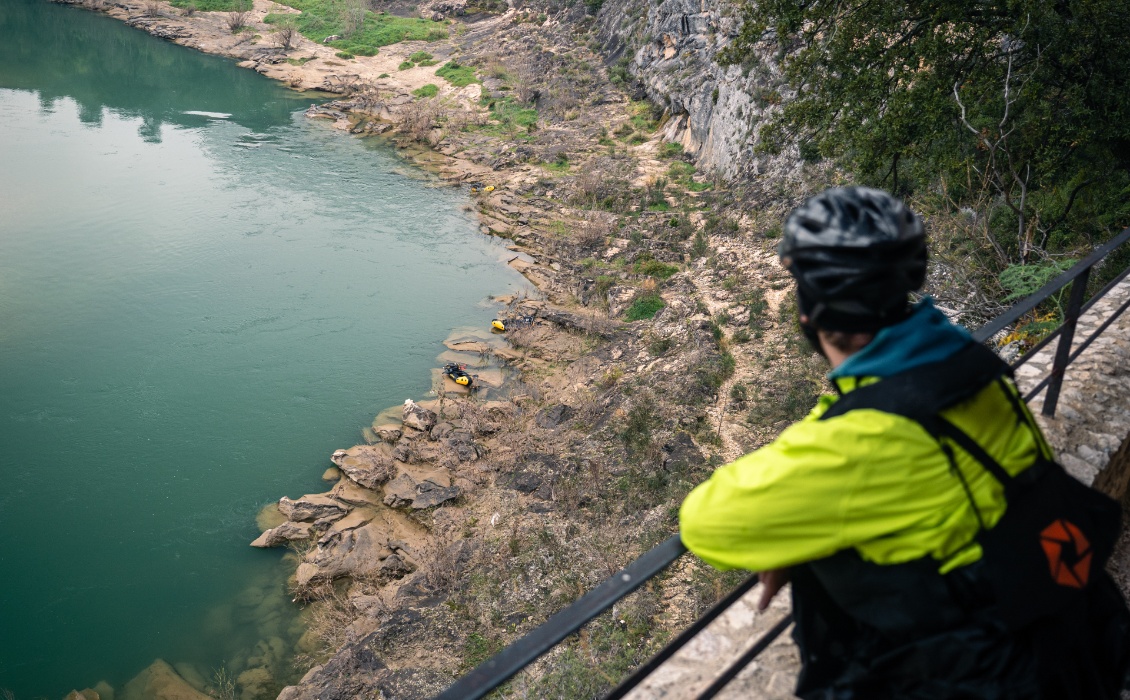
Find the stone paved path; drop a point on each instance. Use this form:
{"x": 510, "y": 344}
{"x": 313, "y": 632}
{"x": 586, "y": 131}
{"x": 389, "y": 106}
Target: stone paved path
{"x": 1092, "y": 420}
{"x": 1093, "y": 414}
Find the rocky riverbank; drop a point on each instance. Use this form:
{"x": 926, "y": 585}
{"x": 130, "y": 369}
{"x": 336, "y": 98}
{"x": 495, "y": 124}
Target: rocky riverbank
{"x": 664, "y": 344}
{"x": 463, "y": 520}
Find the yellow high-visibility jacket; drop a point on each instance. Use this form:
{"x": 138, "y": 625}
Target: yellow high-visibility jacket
{"x": 868, "y": 480}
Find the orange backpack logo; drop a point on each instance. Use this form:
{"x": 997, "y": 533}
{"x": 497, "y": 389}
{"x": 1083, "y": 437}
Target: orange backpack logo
{"x": 1069, "y": 553}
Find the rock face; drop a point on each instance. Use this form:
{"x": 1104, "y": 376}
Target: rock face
{"x": 287, "y": 532}
{"x": 312, "y": 507}
{"x": 368, "y": 466}
{"x": 714, "y": 110}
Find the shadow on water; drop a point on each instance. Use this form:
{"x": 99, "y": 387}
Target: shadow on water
{"x": 101, "y": 64}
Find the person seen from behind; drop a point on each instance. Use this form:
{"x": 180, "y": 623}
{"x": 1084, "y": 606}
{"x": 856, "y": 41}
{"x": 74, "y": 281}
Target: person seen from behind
{"x": 935, "y": 548}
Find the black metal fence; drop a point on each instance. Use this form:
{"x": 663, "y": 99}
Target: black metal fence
{"x": 502, "y": 666}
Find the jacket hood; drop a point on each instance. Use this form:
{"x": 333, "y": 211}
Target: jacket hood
{"x": 925, "y": 336}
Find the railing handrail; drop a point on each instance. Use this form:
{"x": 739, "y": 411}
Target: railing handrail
{"x": 505, "y": 664}
{"x": 1042, "y": 294}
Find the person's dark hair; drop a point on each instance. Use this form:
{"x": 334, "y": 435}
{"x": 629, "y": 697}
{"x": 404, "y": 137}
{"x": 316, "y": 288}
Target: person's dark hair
{"x": 856, "y": 254}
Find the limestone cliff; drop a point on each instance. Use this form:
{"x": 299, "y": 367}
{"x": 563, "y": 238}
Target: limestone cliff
{"x": 670, "y": 47}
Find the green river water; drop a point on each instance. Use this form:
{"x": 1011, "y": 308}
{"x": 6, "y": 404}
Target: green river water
{"x": 202, "y": 295}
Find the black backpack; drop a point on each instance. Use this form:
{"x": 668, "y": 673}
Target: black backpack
{"x": 1056, "y": 535}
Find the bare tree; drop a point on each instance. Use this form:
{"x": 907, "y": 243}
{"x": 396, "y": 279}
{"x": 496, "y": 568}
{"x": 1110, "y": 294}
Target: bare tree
{"x": 153, "y": 9}
{"x": 353, "y": 16}
{"x": 420, "y": 119}
{"x": 237, "y": 20}
{"x": 286, "y": 32}
{"x": 1004, "y": 170}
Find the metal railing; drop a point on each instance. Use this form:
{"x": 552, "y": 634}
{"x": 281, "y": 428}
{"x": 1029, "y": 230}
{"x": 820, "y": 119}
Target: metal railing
{"x": 505, "y": 664}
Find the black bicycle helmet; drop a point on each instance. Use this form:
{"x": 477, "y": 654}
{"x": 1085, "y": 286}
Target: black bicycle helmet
{"x": 856, "y": 254}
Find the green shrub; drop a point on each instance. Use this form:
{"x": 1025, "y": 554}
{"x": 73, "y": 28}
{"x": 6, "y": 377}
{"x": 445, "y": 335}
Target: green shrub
{"x": 420, "y": 57}
{"x": 671, "y": 150}
{"x": 654, "y": 268}
{"x": 699, "y": 246}
{"x": 739, "y": 393}
{"x": 343, "y": 54}
{"x": 457, "y": 75}
{"x": 405, "y": 65}
{"x": 428, "y": 90}
{"x": 644, "y": 307}
{"x": 382, "y": 75}
{"x": 714, "y": 371}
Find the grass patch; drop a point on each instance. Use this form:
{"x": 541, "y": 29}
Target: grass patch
{"x": 671, "y": 150}
{"x": 405, "y": 65}
{"x": 428, "y": 90}
{"x": 478, "y": 649}
{"x": 509, "y": 118}
{"x": 654, "y": 268}
{"x": 344, "y": 54}
{"x": 300, "y": 61}
{"x": 420, "y": 57}
{"x": 364, "y": 34}
{"x": 683, "y": 173}
{"x": 643, "y": 117}
{"x": 458, "y": 75}
{"x": 644, "y": 307}
{"x": 382, "y": 75}
{"x": 559, "y": 165}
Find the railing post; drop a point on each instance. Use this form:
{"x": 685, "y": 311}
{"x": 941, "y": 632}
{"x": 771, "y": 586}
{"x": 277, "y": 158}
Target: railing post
{"x": 1063, "y": 350}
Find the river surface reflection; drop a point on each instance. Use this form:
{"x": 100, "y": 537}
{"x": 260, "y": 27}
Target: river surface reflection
{"x": 202, "y": 295}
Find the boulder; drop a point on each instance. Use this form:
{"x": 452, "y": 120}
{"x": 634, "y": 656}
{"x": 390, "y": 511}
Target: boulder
{"x": 369, "y": 605}
{"x": 254, "y": 682}
{"x": 418, "y": 417}
{"x": 312, "y": 507}
{"x": 523, "y": 481}
{"x": 463, "y": 446}
{"x": 402, "y": 453}
{"x": 160, "y": 682}
{"x": 394, "y": 566}
{"x": 441, "y": 431}
{"x": 370, "y": 469}
{"x": 429, "y": 494}
{"x": 353, "y": 494}
{"x": 192, "y": 676}
{"x": 401, "y": 491}
{"x": 554, "y": 416}
{"x": 306, "y": 573}
{"x": 388, "y": 433}
{"x": 681, "y": 453}
{"x": 356, "y": 552}
{"x": 105, "y": 690}
{"x": 353, "y": 672}
{"x": 287, "y": 532}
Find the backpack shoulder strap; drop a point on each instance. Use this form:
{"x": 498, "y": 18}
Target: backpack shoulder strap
{"x": 922, "y": 393}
